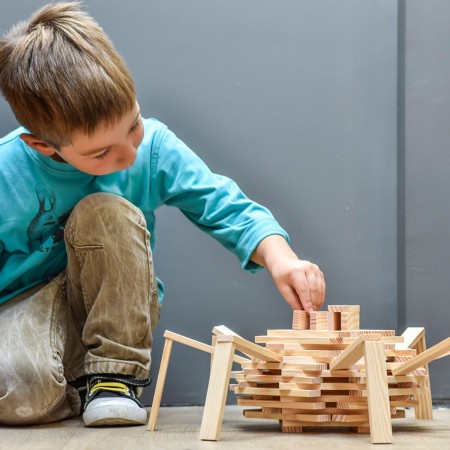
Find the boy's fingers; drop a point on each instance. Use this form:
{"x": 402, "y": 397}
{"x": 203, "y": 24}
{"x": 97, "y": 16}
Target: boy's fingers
{"x": 313, "y": 284}
{"x": 291, "y": 297}
{"x": 301, "y": 286}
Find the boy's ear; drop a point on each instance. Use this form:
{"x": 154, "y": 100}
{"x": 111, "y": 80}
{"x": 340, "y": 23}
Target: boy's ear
{"x": 40, "y": 146}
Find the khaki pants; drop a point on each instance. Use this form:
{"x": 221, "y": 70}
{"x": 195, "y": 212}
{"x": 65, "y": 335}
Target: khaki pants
{"x": 95, "y": 317}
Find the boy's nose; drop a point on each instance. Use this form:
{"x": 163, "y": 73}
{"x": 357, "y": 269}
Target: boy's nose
{"x": 127, "y": 157}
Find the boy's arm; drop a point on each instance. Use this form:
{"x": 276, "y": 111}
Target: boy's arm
{"x": 300, "y": 282}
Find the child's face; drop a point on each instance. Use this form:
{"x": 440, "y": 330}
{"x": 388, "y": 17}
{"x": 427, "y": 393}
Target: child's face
{"x": 109, "y": 149}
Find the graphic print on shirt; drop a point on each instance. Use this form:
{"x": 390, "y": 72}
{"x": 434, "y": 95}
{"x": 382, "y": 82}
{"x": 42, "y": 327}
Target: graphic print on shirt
{"x": 46, "y": 223}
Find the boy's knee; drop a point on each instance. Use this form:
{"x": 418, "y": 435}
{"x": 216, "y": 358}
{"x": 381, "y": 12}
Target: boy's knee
{"x": 105, "y": 209}
{"x": 28, "y": 393}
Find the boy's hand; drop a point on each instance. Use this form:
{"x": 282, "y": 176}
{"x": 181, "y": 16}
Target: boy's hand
{"x": 300, "y": 282}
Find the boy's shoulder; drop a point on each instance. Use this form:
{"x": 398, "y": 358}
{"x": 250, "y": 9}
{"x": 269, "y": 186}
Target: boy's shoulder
{"x": 12, "y": 137}
{"x": 153, "y": 127}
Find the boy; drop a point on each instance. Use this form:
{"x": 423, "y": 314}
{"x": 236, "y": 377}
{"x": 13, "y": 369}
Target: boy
{"x": 80, "y": 182}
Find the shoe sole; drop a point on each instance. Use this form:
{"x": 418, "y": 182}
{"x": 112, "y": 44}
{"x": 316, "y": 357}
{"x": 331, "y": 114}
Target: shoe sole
{"x": 105, "y": 412}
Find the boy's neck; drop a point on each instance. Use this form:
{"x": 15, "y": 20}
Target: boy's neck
{"x": 58, "y": 158}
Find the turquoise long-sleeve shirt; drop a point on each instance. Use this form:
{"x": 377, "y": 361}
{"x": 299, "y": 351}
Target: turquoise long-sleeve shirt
{"x": 38, "y": 194}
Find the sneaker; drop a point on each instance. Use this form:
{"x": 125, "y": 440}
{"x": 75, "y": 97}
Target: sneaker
{"x": 112, "y": 400}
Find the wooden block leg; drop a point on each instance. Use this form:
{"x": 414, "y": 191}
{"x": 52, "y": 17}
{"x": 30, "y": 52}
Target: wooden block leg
{"x": 424, "y": 410}
{"x": 217, "y": 391}
{"x": 377, "y": 393}
{"x": 160, "y": 384}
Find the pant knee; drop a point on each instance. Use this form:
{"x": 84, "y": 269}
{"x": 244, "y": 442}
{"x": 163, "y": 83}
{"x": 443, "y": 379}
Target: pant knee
{"x": 29, "y": 394}
{"x": 107, "y": 206}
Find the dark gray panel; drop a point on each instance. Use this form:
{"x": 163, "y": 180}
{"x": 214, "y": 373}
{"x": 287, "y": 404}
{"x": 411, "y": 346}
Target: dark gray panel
{"x": 296, "y": 100}
{"x": 427, "y": 169}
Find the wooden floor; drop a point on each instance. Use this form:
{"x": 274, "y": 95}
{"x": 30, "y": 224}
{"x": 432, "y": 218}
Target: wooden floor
{"x": 178, "y": 428}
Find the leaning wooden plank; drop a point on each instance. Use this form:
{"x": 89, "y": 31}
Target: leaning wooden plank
{"x": 249, "y": 348}
{"x": 352, "y": 354}
{"x": 217, "y": 391}
{"x": 377, "y": 393}
{"x": 198, "y": 345}
{"x": 160, "y": 384}
{"x": 423, "y": 358}
{"x": 401, "y": 352}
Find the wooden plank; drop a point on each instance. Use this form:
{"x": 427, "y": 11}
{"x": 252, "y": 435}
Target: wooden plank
{"x": 344, "y": 308}
{"x": 258, "y": 414}
{"x": 349, "y": 418}
{"x": 353, "y": 353}
{"x": 423, "y": 358}
{"x": 300, "y": 320}
{"x": 350, "y": 320}
{"x": 249, "y": 348}
{"x": 223, "y": 330}
{"x": 300, "y": 340}
{"x": 326, "y": 386}
{"x": 401, "y": 352}
{"x": 217, "y": 391}
{"x": 377, "y": 393}
{"x": 301, "y": 423}
{"x": 279, "y": 379}
{"x": 411, "y": 336}
{"x": 334, "y": 398}
{"x": 245, "y": 401}
{"x": 160, "y": 385}
{"x": 424, "y": 409}
{"x": 318, "y": 320}
{"x": 310, "y": 333}
{"x": 334, "y": 373}
{"x": 380, "y": 332}
{"x": 274, "y": 366}
{"x": 277, "y": 392}
{"x": 334, "y": 320}
{"x": 198, "y": 345}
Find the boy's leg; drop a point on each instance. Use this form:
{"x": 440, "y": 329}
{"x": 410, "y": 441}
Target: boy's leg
{"x": 111, "y": 288}
{"x": 33, "y": 331}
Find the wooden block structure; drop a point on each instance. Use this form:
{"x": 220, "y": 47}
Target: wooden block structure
{"x": 325, "y": 371}
{"x": 334, "y": 374}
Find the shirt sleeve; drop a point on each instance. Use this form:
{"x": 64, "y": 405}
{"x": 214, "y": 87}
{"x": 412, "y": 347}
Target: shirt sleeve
{"x": 214, "y": 203}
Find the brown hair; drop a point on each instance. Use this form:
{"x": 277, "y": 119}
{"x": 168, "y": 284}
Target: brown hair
{"x": 60, "y": 73}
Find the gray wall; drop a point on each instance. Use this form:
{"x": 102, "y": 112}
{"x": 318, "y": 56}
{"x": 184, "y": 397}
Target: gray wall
{"x": 425, "y": 138}
{"x": 297, "y": 101}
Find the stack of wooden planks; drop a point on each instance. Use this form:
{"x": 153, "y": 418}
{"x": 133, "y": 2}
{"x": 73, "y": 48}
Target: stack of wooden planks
{"x": 322, "y": 379}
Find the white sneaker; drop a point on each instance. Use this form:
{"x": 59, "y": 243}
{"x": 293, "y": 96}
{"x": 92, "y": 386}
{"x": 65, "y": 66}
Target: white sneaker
{"x": 112, "y": 400}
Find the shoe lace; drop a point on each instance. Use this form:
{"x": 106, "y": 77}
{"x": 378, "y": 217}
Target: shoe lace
{"x": 110, "y": 386}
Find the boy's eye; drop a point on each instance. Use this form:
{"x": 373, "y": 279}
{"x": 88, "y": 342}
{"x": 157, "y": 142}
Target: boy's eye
{"x": 135, "y": 126}
{"x": 104, "y": 154}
